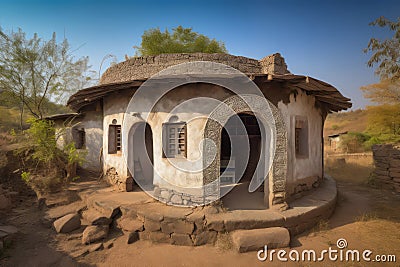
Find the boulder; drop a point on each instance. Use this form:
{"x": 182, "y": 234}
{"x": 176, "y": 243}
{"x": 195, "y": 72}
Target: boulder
{"x": 256, "y": 239}
{"x": 152, "y": 226}
{"x": 94, "y": 233}
{"x": 94, "y": 217}
{"x": 206, "y": 237}
{"x": 67, "y": 223}
{"x": 132, "y": 237}
{"x": 179, "y": 227}
{"x": 175, "y": 199}
{"x": 181, "y": 240}
{"x": 130, "y": 225}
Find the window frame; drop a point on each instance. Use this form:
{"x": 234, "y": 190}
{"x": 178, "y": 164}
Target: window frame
{"x": 80, "y": 136}
{"x": 114, "y": 139}
{"x": 179, "y": 141}
{"x": 301, "y": 137}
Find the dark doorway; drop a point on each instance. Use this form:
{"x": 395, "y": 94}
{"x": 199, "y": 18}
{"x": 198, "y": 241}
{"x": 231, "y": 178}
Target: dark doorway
{"x": 233, "y": 162}
{"x": 141, "y": 162}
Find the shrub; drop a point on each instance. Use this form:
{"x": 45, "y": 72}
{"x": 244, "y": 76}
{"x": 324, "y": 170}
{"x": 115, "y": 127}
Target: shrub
{"x": 47, "y": 166}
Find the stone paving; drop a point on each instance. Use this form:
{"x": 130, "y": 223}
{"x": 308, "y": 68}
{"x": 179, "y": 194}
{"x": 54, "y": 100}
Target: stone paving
{"x": 141, "y": 217}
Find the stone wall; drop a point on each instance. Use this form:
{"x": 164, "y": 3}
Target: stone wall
{"x": 144, "y": 67}
{"x": 387, "y": 165}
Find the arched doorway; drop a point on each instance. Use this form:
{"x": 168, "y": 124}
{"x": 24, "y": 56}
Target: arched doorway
{"x": 141, "y": 155}
{"x": 275, "y": 189}
{"x": 241, "y": 148}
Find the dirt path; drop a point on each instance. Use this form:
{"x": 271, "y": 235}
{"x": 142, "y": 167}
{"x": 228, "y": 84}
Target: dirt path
{"x": 367, "y": 218}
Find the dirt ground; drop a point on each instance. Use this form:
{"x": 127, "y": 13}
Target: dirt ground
{"x": 368, "y": 217}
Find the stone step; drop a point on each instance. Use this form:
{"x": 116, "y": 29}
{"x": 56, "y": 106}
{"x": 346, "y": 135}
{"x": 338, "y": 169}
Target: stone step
{"x": 107, "y": 208}
{"x": 93, "y": 217}
{"x": 256, "y": 239}
{"x": 57, "y": 212}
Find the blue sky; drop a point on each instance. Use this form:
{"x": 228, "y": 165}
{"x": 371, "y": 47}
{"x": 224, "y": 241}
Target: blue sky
{"x": 322, "y": 39}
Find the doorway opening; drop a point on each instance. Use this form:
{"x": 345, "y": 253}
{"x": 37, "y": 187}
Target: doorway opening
{"x": 141, "y": 161}
{"x": 237, "y": 167}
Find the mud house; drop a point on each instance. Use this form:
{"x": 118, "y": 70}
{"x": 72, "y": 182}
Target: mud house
{"x": 151, "y": 145}
{"x": 334, "y": 140}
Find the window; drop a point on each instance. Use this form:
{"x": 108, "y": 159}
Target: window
{"x": 174, "y": 140}
{"x": 114, "y": 139}
{"x": 79, "y": 138}
{"x": 301, "y": 137}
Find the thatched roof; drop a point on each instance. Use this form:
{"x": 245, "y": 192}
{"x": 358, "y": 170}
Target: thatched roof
{"x": 325, "y": 93}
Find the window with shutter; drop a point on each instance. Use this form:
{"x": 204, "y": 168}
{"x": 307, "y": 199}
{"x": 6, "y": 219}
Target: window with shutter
{"x": 79, "y": 138}
{"x": 114, "y": 139}
{"x": 301, "y": 137}
{"x": 174, "y": 140}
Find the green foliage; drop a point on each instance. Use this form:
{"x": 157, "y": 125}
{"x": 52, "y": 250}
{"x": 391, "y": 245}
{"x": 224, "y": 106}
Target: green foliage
{"x": 181, "y": 40}
{"x": 43, "y": 140}
{"x": 384, "y": 119}
{"x": 34, "y": 71}
{"x": 74, "y": 155}
{"x": 354, "y": 142}
{"x": 335, "y": 127}
{"x": 385, "y": 92}
{"x": 46, "y": 165}
{"x": 26, "y": 176}
{"x": 386, "y": 53}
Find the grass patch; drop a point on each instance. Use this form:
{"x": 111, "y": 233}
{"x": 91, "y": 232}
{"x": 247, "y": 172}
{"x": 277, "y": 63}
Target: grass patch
{"x": 321, "y": 226}
{"x": 355, "y": 169}
{"x": 365, "y": 217}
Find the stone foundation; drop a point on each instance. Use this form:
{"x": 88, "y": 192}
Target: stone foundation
{"x": 302, "y": 186}
{"x": 173, "y": 197}
{"x": 387, "y": 165}
{"x": 121, "y": 184}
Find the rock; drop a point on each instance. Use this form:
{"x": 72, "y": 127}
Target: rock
{"x": 133, "y": 237}
{"x": 79, "y": 253}
{"x": 130, "y": 225}
{"x": 152, "y": 226}
{"x": 216, "y": 224}
{"x": 108, "y": 209}
{"x": 154, "y": 216}
{"x": 157, "y": 191}
{"x": 159, "y": 237}
{"x": 8, "y": 229}
{"x": 181, "y": 239}
{"x": 256, "y": 239}
{"x": 95, "y": 218}
{"x": 175, "y": 199}
{"x": 196, "y": 217}
{"x": 206, "y": 237}
{"x": 109, "y": 244}
{"x": 179, "y": 227}
{"x": 95, "y": 247}
{"x": 94, "y": 233}
{"x": 60, "y": 211}
{"x": 1, "y": 245}
{"x": 68, "y": 223}
{"x": 74, "y": 236}
{"x": 165, "y": 195}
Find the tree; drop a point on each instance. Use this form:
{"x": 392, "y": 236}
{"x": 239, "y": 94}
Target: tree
{"x": 181, "y": 40}
{"x": 384, "y": 92}
{"x": 35, "y": 72}
{"x": 386, "y": 53}
{"x": 384, "y": 119}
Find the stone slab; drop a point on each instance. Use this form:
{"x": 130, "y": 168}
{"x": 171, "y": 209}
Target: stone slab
{"x": 67, "y": 223}
{"x": 256, "y": 239}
